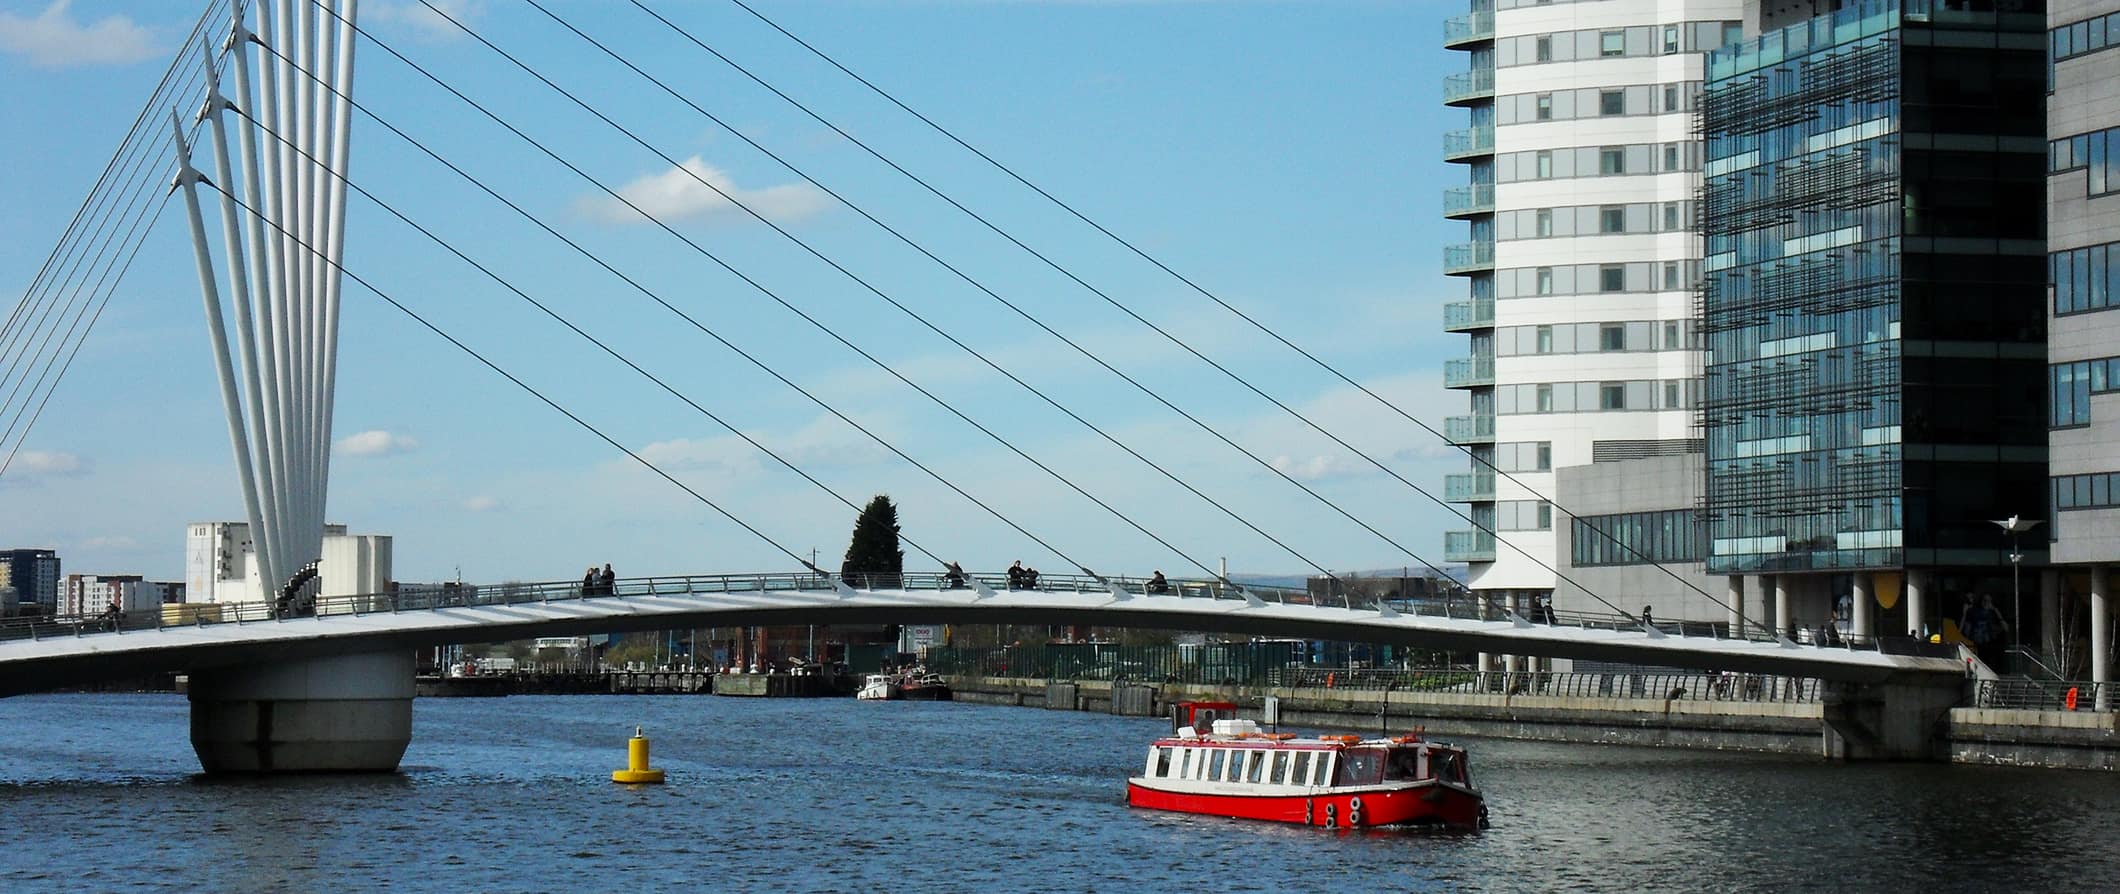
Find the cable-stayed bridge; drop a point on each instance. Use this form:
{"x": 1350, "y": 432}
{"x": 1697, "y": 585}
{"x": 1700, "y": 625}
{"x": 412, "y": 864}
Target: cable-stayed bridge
{"x": 267, "y": 158}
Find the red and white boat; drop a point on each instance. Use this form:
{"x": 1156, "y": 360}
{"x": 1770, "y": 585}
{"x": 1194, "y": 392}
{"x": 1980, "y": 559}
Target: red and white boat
{"x": 1220, "y": 766}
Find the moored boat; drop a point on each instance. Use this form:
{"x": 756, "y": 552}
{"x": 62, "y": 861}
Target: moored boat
{"x": 878, "y": 687}
{"x": 1229, "y": 767}
{"x": 914, "y": 684}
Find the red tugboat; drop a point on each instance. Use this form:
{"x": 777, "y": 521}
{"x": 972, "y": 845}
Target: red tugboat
{"x": 1221, "y": 766}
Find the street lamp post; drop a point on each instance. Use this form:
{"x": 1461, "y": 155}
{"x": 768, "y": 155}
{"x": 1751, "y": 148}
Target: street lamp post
{"x": 2016, "y": 525}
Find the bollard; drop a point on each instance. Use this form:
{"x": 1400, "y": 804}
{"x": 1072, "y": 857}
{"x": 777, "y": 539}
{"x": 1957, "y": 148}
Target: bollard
{"x": 637, "y": 771}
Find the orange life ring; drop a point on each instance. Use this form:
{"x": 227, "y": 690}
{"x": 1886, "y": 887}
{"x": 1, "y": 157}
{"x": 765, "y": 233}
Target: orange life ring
{"x": 2070, "y": 701}
{"x": 1329, "y": 680}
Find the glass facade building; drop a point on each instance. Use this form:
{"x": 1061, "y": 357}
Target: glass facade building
{"x": 1873, "y": 288}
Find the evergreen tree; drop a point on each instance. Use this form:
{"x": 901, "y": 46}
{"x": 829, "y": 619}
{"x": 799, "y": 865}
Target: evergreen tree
{"x": 873, "y": 557}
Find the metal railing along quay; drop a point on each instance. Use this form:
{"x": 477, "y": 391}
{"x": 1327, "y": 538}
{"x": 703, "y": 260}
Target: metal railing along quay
{"x": 2047, "y": 695}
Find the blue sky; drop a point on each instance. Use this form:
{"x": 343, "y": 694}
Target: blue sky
{"x": 1284, "y": 155}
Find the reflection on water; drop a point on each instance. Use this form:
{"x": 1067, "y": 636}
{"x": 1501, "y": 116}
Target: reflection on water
{"x": 101, "y": 792}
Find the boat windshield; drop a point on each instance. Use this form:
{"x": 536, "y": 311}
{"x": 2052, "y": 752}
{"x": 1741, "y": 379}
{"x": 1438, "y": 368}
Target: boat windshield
{"x": 1405, "y": 764}
{"x": 1449, "y": 766}
{"x": 1360, "y": 766}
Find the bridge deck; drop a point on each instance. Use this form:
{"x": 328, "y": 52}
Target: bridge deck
{"x": 51, "y": 655}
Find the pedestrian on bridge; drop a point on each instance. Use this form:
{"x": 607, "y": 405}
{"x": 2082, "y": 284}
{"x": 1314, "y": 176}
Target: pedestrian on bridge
{"x": 953, "y": 577}
{"x": 1647, "y": 620}
{"x": 609, "y": 580}
{"x": 1157, "y": 583}
{"x": 1015, "y": 575}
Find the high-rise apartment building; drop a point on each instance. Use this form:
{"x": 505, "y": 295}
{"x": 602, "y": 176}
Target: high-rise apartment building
{"x": 2083, "y": 244}
{"x": 1580, "y": 272}
{"x": 34, "y": 575}
{"x": 1872, "y": 292}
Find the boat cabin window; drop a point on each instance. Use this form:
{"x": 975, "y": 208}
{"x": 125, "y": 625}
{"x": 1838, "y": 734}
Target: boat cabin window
{"x": 1185, "y": 763}
{"x": 1301, "y": 774}
{"x": 1256, "y": 770}
{"x": 1280, "y": 768}
{"x": 1449, "y": 766}
{"x": 1214, "y": 763}
{"x": 1322, "y": 772}
{"x": 1360, "y": 766}
{"x": 1162, "y": 762}
{"x": 1405, "y": 763}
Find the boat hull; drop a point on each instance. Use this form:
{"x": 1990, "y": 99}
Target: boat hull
{"x": 924, "y": 693}
{"x": 1421, "y": 804}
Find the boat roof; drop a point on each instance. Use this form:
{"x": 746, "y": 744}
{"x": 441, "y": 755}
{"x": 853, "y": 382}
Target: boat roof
{"x": 1284, "y": 740}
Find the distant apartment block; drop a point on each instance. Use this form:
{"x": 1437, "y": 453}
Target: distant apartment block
{"x": 94, "y": 594}
{"x": 34, "y": 575}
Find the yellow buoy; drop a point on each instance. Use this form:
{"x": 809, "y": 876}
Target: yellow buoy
{"x": 637, "y": 770}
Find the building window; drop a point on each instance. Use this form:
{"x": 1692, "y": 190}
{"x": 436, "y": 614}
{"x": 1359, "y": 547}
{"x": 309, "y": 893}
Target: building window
{"x": 1670, "y": 97}
{"x": 1612, "y": 102}
{"x": 1543, "y": 398}
{"x": 1544, "y": 163}
{"x": 1671, "y": 157}
{"x": 1612, "y": 337}
{"x": 1544, "y": 220}
{"x": 1545, "y": 456}
{"x": 1612, "y": 43}
{"x": 1612, "y": 395}
{"x": 1544, "y": 278}
{"x": 1612, "y": 278}
{"x": 1671, "y": 396}
{"x": 1671, "y": 334}
{"x": 1543, "y": 337}
{"x": 1612, "y": 219}
{"x": 1670, "y": 39}
{"x": 1670, "y": 274}
{"x": 1611, "y": 160}
{"x": 1638, "y": 538}
{"x": 1544, "y": 104}
{"x": 1670, "y": 216}
{"x": 1544, "y": 47}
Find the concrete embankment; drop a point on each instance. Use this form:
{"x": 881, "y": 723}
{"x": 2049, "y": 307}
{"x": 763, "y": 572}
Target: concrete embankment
{"x": 1774, "y": 727}
{"x": 2053, "y": 739}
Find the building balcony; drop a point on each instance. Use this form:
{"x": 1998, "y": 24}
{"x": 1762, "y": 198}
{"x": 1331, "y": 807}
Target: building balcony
{"x": 1468, "y": 546}
{"x": 1468, "y": 372}
{"x": 1468, "y": 257}
{"x": 1467, "y": 30}
{"x": 1469, "y": 200}
{"x": 1472, "y": 142}
{"x": 1459, "y": 316}
{"x": 1468, "y": 87}
{"x": 1468, "y": 429}
{"x": 1469, "y": 487}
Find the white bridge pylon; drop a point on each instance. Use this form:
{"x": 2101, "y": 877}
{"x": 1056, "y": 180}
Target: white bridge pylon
{"x": 282, "y": 245}
{"x": 432, "y": 617}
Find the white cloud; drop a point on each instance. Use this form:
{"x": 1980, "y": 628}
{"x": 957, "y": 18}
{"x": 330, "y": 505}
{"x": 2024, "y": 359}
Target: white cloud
{"x": 679, "y": 194}
{"x": 55, "y": 39}
{"x": 376, "y": 442}
{"x": 1321, "y": 467}
{"x": 47, "y": 464}
{"x": 481, "y": 503}
{"x": 426, "y": 22}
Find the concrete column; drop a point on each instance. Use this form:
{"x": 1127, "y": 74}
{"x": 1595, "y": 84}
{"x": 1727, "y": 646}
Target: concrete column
{"x": 341, "y": 714}
{"x": 1513, "y": 600}
{"x": 1782, "y": 617}
{"x": 1864, "y": 611}
{"x": 1917, "y": 603}
{"x": 1736, "y": 599}
{"x": 2050, "y": 613}
{"x": 2101, "y": 634}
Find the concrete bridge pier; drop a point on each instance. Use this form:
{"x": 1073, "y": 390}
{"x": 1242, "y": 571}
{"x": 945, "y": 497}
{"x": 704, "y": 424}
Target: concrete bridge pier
{"x": 1899, "y": 719}
{"x": 341, "y": 714}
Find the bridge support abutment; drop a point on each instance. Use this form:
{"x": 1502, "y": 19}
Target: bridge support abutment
{"x": 1899, "y": 719}
{"x": 341, "y": 714}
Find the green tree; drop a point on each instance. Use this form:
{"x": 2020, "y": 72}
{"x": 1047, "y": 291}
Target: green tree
{"x": 873, "y": 557}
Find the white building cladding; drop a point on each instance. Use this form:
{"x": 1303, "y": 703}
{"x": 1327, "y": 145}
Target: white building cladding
{"x": 1583, "y": 168}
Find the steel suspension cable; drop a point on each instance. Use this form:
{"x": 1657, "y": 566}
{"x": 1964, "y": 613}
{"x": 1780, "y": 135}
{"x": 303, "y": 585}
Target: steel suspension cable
{"x": 283, "y": 232}
{"x": 1071, "y": 210}
{"x": 916, "y": 316}
{"x": 622, "y": 358}
{"x": 813, "y": 321}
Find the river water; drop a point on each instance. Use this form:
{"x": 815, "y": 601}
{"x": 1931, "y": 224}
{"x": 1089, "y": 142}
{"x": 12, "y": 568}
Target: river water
{"x": 100, "y": 793}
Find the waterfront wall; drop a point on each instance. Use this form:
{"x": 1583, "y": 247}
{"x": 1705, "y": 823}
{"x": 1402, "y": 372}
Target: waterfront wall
{"x": 2082, "y": 740}
{"x": 1772, "y": 727}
